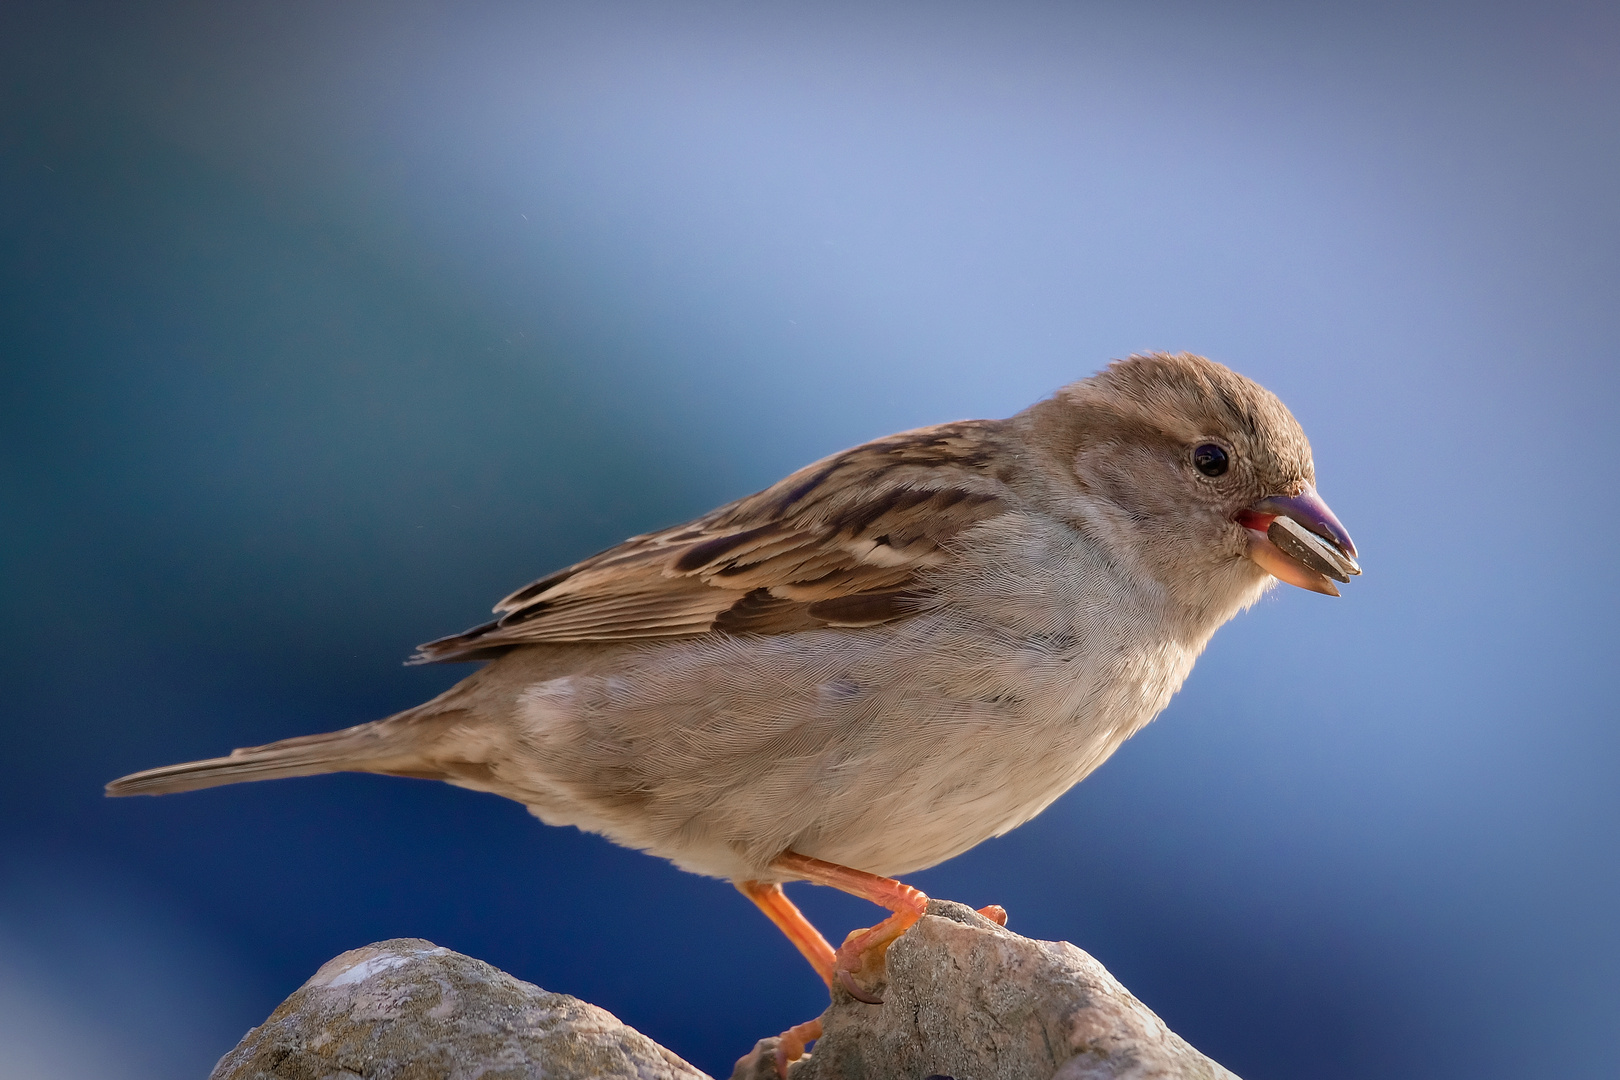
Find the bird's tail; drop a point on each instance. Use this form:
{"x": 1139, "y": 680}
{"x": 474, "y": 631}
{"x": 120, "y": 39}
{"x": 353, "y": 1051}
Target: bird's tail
{"x": 390, "y": 746}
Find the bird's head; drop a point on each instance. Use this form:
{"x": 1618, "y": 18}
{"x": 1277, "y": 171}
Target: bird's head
{"x": 1199, "y": 474}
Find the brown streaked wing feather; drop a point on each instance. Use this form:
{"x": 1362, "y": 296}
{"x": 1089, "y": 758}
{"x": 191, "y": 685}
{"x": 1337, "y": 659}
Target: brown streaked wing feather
{"x": 838, "y": 543}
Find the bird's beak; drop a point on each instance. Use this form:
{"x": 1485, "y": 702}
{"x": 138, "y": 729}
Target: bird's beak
{"x": 1296, "y": 538}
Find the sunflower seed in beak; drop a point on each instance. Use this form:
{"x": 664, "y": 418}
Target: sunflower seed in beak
{"x": 1305, "y": 547}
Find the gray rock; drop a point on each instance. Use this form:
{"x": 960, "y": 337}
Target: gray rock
{"x": 963, "y": 998}
{"x": 409, "y": 1010}
{"x": 970, "y": 1000}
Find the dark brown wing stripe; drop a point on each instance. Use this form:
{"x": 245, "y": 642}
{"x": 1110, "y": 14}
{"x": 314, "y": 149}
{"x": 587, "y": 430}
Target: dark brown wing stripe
{"x": 864, "y": 609}
{"x": 709, "y": 551}
{"x": 759, "y": 612}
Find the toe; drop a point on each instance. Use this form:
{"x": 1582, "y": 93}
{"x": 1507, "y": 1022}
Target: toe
{"x": 792, "y": 1043}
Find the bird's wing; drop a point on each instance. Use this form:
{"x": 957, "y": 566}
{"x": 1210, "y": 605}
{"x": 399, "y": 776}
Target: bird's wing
{"x": 842, "y": 542}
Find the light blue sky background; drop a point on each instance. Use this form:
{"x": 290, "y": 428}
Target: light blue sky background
{"x": 324, "y": 326}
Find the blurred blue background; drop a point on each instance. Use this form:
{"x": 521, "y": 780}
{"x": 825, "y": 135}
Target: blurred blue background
{"x": 325, "y": 325}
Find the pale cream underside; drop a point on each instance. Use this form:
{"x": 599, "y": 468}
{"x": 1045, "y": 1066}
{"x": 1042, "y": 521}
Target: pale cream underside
{"x": 888, "y": 749}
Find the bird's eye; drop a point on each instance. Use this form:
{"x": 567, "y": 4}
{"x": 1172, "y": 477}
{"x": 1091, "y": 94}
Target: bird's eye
{"x": 1210, "y": 460}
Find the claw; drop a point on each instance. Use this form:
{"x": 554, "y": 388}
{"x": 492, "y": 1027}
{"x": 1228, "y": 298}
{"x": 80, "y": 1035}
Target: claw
{"x": 847, "y": 981}
{"x": 995, "y": 913}
{"x": 864, "y": 956}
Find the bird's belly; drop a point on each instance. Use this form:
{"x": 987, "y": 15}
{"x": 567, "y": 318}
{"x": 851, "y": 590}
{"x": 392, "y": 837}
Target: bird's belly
{"x": 991, "y": 777}
{"x": 720, "y": 757}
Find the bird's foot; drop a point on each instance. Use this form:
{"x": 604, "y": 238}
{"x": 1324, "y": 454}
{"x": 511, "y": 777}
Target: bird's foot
{"x": 862, "y": 953}
{"x": 791, "y": 1044}
{"x": 861, "y": 959}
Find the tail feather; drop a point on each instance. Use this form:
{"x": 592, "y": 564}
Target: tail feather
{"x": 374, "y": 747}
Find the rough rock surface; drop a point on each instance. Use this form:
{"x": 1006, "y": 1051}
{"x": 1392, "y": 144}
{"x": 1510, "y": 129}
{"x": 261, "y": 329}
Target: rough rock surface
{"x": 964, "y": 999}
{"x": 409, "y": 1010}
{"x": 969, "y": 1000}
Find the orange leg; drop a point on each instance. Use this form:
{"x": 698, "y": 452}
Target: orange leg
{"x": 808, "y": 940}
{"x": 867, "y": 947}
{"x": 791, "y": 921}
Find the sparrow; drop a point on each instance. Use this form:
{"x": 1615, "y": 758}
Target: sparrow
{"x": 878, "y": 662}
